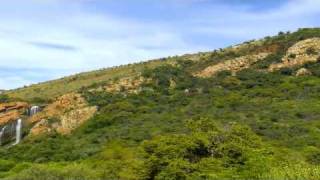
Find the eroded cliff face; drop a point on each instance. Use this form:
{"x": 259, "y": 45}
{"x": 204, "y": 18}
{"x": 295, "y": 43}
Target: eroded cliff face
{"x": 302, "y": 52}
{"x": 64, "y": 115}
{"x": 11, "y": 111}
{"x": 233, "y": 65}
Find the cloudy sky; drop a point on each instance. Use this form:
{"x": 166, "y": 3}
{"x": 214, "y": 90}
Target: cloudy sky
{"x": 46, "y": 39}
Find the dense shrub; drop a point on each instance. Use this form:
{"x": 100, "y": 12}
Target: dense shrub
{"x": 4, "y": 98}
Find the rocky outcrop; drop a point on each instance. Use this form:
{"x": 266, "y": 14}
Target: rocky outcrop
{"x": 302, "y": 52}
{"x": 11, "y": 111}
{"x": 41, "y": 127}
{"x": 73, "y": 119}
{"x": 233, "y": 65}
{"x": 303, "y": 72}
{"x": 130, "y": 85}
{"x": 12, "y": 106}
{"x": 64, "y": 115}
{"x": 8, "y": 117}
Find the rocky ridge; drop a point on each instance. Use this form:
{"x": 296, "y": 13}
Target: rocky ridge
{"x": 233, "y": 65}
{"x": 302, "y": 52}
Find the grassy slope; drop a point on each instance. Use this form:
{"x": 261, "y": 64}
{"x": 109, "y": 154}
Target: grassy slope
{"x": 62, "y": 86}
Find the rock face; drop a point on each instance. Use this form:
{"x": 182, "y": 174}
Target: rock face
{"x": 299, "y": 54}
{"x": 233, "y": 65}
{"x": 74, "y": 119}
{"x": 130, "y": 85}
{"x": 11, "y": 111}
{"x": 303, "y": 72}
{"x": 64, "y": 115}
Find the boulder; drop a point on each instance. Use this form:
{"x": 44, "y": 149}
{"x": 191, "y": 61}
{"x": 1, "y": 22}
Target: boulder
{"x": 303, "y": 72}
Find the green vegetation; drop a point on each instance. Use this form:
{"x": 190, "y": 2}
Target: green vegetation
{"x": 4, "y": 98}
{"x": 44, "y": 92}
{"x": 254, "y": 125}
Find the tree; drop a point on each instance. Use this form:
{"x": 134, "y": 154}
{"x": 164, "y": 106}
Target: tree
{"x": 182, "y": 156}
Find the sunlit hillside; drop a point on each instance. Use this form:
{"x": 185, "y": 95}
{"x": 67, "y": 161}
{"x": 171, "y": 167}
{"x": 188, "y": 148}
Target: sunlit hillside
{"x": 248, "y": 111}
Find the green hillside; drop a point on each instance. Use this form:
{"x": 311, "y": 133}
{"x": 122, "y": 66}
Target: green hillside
{"x": 49, "y": 90}
{"x": 182, "y": 124}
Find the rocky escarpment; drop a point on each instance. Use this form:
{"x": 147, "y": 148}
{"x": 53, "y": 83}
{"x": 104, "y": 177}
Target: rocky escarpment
{"x": 302, "y": 52}
{"x": 11, "y": 111}
{"x": 64, "y": 115}
{"x": 233, "y": 65}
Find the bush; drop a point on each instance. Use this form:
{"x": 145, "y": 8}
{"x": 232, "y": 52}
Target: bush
{"x": 266, "y": 62}
{"x": 313, "y": 155}
{"x": 311, "y": 51}
{"x": 4, "y": 98}
{"x": 292, "y": 56}
{"x": 286, "y": 71}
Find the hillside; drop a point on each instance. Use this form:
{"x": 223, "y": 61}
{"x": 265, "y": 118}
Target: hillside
{"x": 52, "y": 89}
{"x": 249, "y": 111}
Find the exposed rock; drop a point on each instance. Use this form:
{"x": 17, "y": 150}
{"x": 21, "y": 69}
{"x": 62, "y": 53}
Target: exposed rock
{"x": 41, "y": 127}
{"x": 70, "y": 111}
{"x": 233, "y": 65}
{"x": 75, "y": 118}
{"x": 8, "y": 117}
{"x": 12, "y": 106}
{"x": 299, "y": 54}
{"x": 303, "y": 72}
{"x": 130, "y": 85}
{"x": 11, "y": 111}
{"x": 173, "y": 84}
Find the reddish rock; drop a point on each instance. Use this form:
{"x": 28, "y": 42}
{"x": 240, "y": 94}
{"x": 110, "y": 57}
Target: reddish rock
{"x": 11, "y": 111}
{"x": 64, "y": 115}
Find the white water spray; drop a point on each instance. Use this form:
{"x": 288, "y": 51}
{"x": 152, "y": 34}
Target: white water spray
{"x": 1, "y": 134}
{"x": 18, "y": 131}
{"x": 34, "y": 110}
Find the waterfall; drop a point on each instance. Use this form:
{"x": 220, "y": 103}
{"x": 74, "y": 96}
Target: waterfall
{"x": 18, "y": 131}
{"x": 11, "y": 131}
{"x": 2, "y": 133}
{"x": 33, "y": 110}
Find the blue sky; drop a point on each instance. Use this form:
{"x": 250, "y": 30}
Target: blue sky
{"x": 46, "y": 39}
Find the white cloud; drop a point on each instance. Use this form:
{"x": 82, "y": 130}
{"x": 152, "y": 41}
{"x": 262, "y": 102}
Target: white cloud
{"x": 241, "y": 23}
{"x": 102, "y": 39}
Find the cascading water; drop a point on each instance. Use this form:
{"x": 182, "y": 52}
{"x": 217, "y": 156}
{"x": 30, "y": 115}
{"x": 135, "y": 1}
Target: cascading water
{"x": 34, "y": 110}
{"x": 11, "y": 131}
{"x": 18, "y": 131}
{"x": 2, "y": 133}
